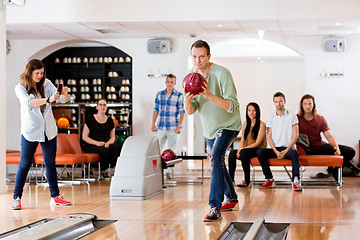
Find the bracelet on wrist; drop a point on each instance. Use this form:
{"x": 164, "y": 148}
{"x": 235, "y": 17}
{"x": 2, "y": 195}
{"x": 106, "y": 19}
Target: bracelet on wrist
{"x": 48, "y": 100}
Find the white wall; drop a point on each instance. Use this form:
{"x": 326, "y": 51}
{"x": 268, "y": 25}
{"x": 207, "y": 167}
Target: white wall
{"x": 257, "y": 82}
{"x": 2, "y": 99}
{"x": 337, "y": 98}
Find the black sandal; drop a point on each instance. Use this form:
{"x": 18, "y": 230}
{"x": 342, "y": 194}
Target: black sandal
{"x": 243, "y": 184}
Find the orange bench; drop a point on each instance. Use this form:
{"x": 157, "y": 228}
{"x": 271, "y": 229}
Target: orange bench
{"x": 69, "y": 154}
{"x": 73, "y": 140}
{"x": 64, "y": 160}
{"x": 305, "y": 160}
{"x": 13, "y": 157}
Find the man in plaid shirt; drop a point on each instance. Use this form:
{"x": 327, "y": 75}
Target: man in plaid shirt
{"x": 169, "y": 106}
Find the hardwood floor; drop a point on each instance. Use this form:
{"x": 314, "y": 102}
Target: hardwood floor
{"x": 315, "y": 213}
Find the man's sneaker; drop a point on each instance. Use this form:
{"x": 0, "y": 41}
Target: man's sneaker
{"x": 16, "y": 204}
{"x": 268, "y": 184}
{"x": 243, "y": 184}
{"x": 296, "y": 186}
{"x": 230, "y": 206}
{"x": 213, "y": 215}
{"x": 59, "y": 200}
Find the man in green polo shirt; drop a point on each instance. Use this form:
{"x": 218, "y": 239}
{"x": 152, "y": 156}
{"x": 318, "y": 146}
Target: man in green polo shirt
{"x": 218, "y": 108}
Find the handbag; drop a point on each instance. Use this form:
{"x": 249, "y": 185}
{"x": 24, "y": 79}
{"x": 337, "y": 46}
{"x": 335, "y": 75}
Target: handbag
{"x": 303, "y": 141}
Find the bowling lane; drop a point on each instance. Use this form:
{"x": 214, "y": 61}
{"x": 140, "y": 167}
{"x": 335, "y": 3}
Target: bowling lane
{"x": 177, "y": 213}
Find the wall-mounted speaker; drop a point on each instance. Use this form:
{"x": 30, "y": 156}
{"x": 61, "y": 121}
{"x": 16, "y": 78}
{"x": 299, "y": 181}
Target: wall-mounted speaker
{"x": 334, "y": 44}
{"x": 159, "y": 46}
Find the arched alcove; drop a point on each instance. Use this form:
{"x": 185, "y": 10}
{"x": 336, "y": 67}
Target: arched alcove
{"x": 253, "y": 49}
{"x": 91, "y": 71}
{"x": 69, "y": 43}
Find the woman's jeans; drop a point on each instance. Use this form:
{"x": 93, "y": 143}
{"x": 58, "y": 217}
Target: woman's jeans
{"x": 221, "y": 182}
{"x": 26, "y": 158}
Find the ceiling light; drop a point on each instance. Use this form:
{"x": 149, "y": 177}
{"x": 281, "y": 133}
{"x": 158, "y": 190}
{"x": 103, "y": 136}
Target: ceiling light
{"x": 220, "y": 25}
{"x": 19, "y": 3}
{"x": 261, "y": 34}
{"x": 337, "y": 24}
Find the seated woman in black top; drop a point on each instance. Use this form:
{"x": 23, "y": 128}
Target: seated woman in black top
{"x": 99, "y": 135}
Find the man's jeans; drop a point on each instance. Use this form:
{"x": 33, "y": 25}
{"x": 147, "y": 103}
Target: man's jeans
{"x": 264, "y": 154}
{"x": 220, "y": 179}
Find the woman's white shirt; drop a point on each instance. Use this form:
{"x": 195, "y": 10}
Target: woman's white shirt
{"x": 34, "y": 123}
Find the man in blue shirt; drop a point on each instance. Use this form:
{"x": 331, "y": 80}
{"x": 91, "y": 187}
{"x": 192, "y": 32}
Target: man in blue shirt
{"x": 169, "y": 107}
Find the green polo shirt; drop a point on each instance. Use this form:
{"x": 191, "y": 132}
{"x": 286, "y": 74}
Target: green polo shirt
{"x": 214, "y": 118}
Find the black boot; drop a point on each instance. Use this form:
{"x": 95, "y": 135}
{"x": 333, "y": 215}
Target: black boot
{"x": 354, "y": 168}
{"x": 333, "y": 171}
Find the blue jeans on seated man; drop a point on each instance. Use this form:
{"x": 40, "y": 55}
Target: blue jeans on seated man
{"x": 221, "y": 182}
{"x": 264, "y": 154}
{"x": 26, "y": 158}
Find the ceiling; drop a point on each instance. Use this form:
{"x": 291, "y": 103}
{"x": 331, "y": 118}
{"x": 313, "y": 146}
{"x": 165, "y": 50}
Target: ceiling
{"x": 172, "y": 29}
{"x": 279, "y": 19}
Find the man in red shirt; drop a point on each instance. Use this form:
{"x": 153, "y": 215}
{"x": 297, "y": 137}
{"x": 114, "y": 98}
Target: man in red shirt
{"x": 312, "y": 124}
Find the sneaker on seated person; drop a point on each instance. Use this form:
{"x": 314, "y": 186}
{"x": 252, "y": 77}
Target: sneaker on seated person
{"x": 296, "y": 186}
{"x": 269, "y": 183}
{"x": 243, "y": 184}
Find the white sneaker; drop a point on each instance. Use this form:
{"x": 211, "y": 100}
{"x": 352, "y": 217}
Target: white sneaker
{"x": 16, "y": 204}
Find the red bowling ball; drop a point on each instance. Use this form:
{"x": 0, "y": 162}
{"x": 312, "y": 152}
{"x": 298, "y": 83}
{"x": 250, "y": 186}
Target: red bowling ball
{"x": 193, "y": 83}
{"x": 168, "y": 155}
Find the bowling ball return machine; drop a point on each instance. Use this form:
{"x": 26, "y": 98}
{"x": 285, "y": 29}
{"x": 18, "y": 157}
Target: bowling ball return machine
{"x": 68, "y": 227}
{"x": 258, "y": 230}
{"x": 138, "y": 172}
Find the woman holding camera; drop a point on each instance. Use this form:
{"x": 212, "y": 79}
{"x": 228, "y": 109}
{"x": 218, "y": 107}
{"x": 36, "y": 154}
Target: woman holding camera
{"x": 35, "y": 94}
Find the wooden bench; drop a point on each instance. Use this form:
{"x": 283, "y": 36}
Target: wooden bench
{"x": 305, "y": 161}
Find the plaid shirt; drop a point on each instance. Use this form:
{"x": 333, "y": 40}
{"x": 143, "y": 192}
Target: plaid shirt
{"x": 169, "y": 108}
